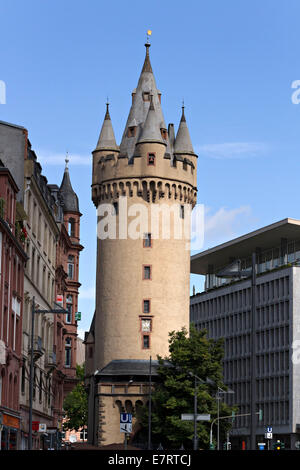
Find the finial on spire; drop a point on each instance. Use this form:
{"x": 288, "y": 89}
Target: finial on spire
{"x": 107, "y": 115}
{"x": 182, "y": 107}
{"x": 67, "y": 160}
{"x": 149, "y": 32}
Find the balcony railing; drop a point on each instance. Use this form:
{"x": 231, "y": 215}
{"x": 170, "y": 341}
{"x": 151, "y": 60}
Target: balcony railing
{"x": 50, "y": 360}
{"x": 37, "y": 348}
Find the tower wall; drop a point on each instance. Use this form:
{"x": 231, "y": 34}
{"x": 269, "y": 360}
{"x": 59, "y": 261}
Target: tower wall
{"x": 142, "y": 288}
{"x": 120, "y": 287}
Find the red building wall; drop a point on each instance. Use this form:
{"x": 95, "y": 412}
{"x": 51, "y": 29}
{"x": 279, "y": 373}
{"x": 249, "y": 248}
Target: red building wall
{"x": 12, "y": 263}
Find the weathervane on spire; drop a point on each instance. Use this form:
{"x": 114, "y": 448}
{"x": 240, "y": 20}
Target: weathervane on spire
{"x": 67, "y": 160}
{"x": 149, "y": 32}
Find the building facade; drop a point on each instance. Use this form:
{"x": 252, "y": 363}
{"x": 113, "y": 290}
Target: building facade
{"x": 224, "y": 309}
{"x": 49, "y": 216}
{"x": 12, "y": 266}
{"x": 142, "y": 279}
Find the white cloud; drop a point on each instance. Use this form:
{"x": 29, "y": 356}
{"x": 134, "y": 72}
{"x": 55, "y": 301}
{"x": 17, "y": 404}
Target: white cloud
{"x": 231, "y": 150}
{"x": 226, "y": 224}
{"x": 46, "y": 157}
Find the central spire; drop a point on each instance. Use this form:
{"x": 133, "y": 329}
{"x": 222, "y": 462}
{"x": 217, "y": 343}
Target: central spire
{"x": 139, "y": 110}
{"x": 147, "y": 64}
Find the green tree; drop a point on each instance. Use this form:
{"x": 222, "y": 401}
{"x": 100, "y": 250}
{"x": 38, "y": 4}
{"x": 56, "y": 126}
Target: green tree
{"x": 173, "y": 393}
{"x": 76, "y": 404}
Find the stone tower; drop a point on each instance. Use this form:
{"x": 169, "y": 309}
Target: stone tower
{"x": 143, "y": 189}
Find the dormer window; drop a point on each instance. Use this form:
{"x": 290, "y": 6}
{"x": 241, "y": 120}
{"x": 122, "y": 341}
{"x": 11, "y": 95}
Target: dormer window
{"x": 164, "y": 133}
{"x": 151, "y": 159}
{"x": 146, "y": 95}
{"x": 131, "y": 131}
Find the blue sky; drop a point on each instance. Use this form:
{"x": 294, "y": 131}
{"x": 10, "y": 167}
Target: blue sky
{"x": 233, "y": 63}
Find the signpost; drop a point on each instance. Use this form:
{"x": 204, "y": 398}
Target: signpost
{"x": 190, "y": 417}
{"x": 77, "y": 316}
{"x": 125, "y": 425}
{"x": 42, "y": 427}
{"x": 60, "y": 300}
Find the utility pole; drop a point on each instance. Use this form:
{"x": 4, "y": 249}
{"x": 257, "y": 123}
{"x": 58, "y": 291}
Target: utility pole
{"x": 149, "y": 409}
{"x": 31, "y": 375}
{"x": 253, "y": 364}
{"x": 195, "y": 415}
{"x": 33, "y": 312}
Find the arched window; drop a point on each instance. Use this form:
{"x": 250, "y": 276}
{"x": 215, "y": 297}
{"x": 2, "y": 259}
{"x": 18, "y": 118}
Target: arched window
{"x": 71, "y": 267}
{"x": 71, "y": 227}
{"x": 69, "y": 309}
{"x": 68, "y": 352}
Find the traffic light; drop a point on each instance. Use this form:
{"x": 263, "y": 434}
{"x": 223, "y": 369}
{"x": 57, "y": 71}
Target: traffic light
{"x": 278, "y": 445}
{"x": 233, "y": 416}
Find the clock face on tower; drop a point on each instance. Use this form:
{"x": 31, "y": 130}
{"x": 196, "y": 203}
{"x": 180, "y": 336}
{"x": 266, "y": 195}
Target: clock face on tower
{"x": 146, "y": 325}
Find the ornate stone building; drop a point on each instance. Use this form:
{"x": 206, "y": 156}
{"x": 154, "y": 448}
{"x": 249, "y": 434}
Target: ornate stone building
{"x": 12, "y": 265}
{"x": 142, "y": 281}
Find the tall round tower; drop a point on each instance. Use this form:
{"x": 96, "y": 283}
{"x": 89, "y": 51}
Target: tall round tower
{"x": 143, "y": 191}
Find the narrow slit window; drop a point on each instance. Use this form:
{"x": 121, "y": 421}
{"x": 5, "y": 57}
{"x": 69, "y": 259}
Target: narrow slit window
{"x": 146, "y": 306}
{"x": 147, "y": 272}
{"x": 146, "y": 341}
{"x": 182, "y": 212}
{"x": 116, "y": 208}
{"x": 147, "y": 240}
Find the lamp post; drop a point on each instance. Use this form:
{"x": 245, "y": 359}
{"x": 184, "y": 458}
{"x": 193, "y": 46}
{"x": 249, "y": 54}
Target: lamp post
{"x": 219, "y": 392}
{"x": 33, "y": 312}
{"x": 195, "y": 439}
{"x": 149, "y": 405}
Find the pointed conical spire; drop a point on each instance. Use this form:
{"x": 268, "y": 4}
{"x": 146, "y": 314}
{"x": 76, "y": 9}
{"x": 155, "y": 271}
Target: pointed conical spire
{"x": 147, "y": 64}
{"x": 138, "y": 113}
{"x": 183, "y": 143}
{"x": 69, "y": 196}
{"x": 151, "y": 129}
{"x": 107, "y": 139}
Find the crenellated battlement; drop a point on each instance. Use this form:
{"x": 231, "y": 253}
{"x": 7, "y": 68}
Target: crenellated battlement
{"x": 148, "y": 188}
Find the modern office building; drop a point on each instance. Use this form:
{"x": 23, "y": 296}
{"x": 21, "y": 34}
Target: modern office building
{"x": 224, "y": 308}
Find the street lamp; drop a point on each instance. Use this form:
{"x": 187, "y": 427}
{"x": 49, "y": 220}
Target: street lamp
{"x": 195, "y": 439}
{"x": 149, "y": 405}
{"x": 219, "y": 392}
{"x": 33, "y": 312}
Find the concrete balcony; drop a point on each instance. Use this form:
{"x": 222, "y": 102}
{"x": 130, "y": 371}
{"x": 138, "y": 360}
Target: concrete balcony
{"x": 38, "y": 350}
{"x": 50, "y": 361}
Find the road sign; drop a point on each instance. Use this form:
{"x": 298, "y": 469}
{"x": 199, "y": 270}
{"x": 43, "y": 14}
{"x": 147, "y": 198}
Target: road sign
{"x": 77, "y": 316}
{"x": 35, "y": 425}
{"x": 190, "y": 417}
{"x": 126, "y": 422}
{"x": 269, "y": 435}
{"x": 42, "y": 427}
{"x": 60, "y": 300}
{"x": 269, "y": 429}
{"x": 261, "y": 445}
